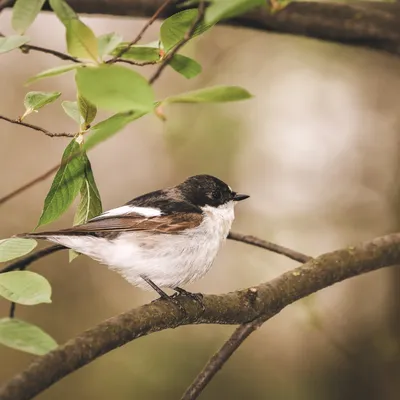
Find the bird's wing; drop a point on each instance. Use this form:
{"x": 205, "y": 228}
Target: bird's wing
{"x": 172, "y": 223}
{"x": 113, "y": 221}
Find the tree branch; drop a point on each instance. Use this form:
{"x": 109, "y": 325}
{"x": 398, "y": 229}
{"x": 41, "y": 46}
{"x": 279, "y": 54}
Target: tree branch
{"x": 276, "y": 248}
{"x": 37, "y": 128}
{"x": 240, "y": 307}
{"x": 374, "y": 25}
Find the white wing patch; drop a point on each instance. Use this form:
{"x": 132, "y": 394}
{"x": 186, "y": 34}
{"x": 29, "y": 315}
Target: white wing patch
{"x": 146, "y": 211}
{"x": 143, "y": 211}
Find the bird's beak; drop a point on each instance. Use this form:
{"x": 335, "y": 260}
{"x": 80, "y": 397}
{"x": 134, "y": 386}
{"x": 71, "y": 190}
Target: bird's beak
{"x": 240, "y": 197}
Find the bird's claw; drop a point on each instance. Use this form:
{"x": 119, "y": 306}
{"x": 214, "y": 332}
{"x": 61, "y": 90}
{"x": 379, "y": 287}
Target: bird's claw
{"x": 197, "y": 297}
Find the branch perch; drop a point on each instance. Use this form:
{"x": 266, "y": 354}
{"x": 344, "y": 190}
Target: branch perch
{"x": 375, "y": 25}
{"x": 240, "y": 307}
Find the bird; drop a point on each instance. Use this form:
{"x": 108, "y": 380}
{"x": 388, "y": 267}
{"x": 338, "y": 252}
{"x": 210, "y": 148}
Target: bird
{"x": 163, "y": 239}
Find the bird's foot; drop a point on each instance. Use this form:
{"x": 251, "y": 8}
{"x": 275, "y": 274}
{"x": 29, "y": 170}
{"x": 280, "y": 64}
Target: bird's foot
{"x": 178, "y": 304}
{"x": 197, "y": 297}
{"x": 173, "y": 300}
{"x": 164, "y": 296}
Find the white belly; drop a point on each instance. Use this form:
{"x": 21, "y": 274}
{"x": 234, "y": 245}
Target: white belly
{"x": 169, "y": 260}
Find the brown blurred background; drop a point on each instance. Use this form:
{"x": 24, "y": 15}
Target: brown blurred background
{"x": 317, "y": 149}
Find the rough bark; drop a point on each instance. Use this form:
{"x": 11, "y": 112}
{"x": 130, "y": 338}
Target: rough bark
{"x": 263, "y": 301}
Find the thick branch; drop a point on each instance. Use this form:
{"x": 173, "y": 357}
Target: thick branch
{"x": 263, "y": 301}
{"x": 374, "y": 25}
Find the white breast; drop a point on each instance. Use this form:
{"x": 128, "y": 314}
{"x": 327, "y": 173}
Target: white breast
{"x": 169, "y": 260}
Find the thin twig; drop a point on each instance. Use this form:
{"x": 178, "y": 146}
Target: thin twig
{"x": 217, "y": 361}
{"x": 137, "y": 63}
{"x": 41, "y": 178}
{"x": 13, "y": 305}
{"x": 31, "y": 183}
{"x": 187, "y": 37}
{"x": 24, "y": 262}
{"x": 11, "y": 313}
{"x": 27, "y": 47}
{"x": 276, "y": 248}
{"x": 141, "y": 33}
{"x": 37, "y": 128}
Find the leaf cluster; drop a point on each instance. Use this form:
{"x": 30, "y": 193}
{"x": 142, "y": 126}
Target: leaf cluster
{"x": 101, "y": 83}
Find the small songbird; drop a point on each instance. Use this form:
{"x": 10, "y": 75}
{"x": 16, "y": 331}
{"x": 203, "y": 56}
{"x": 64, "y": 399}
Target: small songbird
{"x": 163, "y": 239}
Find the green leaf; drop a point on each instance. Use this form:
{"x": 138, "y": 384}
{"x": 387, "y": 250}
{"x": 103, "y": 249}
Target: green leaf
{"x": 9, "y": 43}
{"x": 115, "y": 88}
{"x": 25, "y": 287}
{"x": 26, "y": 337}
{"x": 36, "y": 100}
{"x": 186, "y": 66}
{"x": 87, "y": 110}
{"x": 174, "y": 28}
{"x": 222, "y": 9}
{"x": 72, "y": 110}
{"x": 81, "y": 41}
{"x": 107, "y": 43}
{"x": 109, "y": 127}
{"x": 53, "y": 72}
{"x": 63, "y": 11}
{"x": 215, "y": 94}
{"x": 139, "y": 53}
{"x": 90, "y": 203}
{"x": 24, "y": 13}
{"x": 15, "y": 247}
{"x": 65, "y": 186}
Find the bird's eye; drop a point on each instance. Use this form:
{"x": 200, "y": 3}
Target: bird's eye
{"x": 216, "y": 195}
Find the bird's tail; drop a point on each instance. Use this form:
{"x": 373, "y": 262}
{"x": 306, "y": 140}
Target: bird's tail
{"x": 29, "y": 236}
{"x": 32, "y": 235}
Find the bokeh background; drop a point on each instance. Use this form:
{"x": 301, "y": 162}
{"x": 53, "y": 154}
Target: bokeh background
{"x": 317, "y": 149}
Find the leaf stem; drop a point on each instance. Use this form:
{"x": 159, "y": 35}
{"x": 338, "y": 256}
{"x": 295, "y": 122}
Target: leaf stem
{"x": 141, "y": 33}
{"x": 188, "y": 35}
